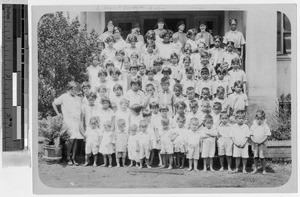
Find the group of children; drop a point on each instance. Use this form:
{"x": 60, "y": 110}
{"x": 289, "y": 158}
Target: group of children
{"x": 143, "y": 102}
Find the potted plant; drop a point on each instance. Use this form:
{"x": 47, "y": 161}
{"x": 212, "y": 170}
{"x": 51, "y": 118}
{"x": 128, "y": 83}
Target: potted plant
{"x": 52, "y": 130}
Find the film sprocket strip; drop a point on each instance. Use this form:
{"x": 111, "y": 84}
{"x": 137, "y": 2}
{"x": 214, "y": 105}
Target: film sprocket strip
{"x": 15, "y": 76}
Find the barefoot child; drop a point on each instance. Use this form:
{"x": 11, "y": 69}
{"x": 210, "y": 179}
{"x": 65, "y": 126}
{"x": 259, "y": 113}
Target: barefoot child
{"x": 224, "y": 142}
{"x": 239, "y": 135}
{"x": 92, "y": 137}
{"x": 260, "y": 132}
{"x": 144, "y": 143}
{"x": 167, "y": 138}
{"x": 107, "y": 144}
{"x": 193, "y": 144}
{"x": 208, "y": 137}
{"x": 121, "y": 142}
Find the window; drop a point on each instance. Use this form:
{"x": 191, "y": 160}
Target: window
{"x": 283, "y": 34}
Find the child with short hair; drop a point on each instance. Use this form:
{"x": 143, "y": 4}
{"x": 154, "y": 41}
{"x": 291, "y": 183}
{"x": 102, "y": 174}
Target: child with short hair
{"x": 132, "y": 145}
{"x": 216, "y": 52}
{"x": 205, "y": 110}
{"x": 118, "y": 96}
{"x": 204, "y": 81}
{"x": 102, "y": 74}
{"x": 224, "y": 142}
{"x": 220, "y": 98}
{"x": 144, "y": 143}
{"x": 229, "y": 54}
{"x": 167, "y": 71}
{"x": 236, "y": 74}
{"x": 123, "y": 112}
{"x": 191, "y": 35}
{"x": 178, "y": 96}
{"x": 109, "y": 65}
{"x": 132, "y": 48}
{"x": 221, "y": 81}
{"x": 85, "y": 87}
{"x": 238, "y": 100}
{"x": 166, "y": 96}
{"x": 106, "y": 113}
{"x": 190, "y": 95}
{"x": 260, "y": 132}
{"x": 205, "y": 96}
{"x": 157, "y": 63}
{"x": 193, "y": 144}
{"x": 176, "y": 69}
{"x": 101, "y": 93}
{"x": 187, "y": 62}
{"x": 194, "y": 112}
{"x": 121, "y": 142}
{"x": 134, "y": 59}
{"x": 204, "y": 63}
{"x": 150, "y": 95}
{"x": 115, "y": 80}
{"x": 180, "y": 109}
{"x": 107, "y": 144}
{"x": 134, "y": 94}
{"x": 188, "y": 80}
{"x": 166, "y": 137}
{"x": 208, "y": 138}
{"x": 217, "y": 108}
{"x": 180, "y": 142}
{"x": 239, "y": 135}
{"x": 165, "y": 49}
{"x": 90, "y": 110}
{"x": 92, "y": 140}
{"x": 92, "y": 73}
{"x": 133, "y": 75}
{"x": 149, "y": 56}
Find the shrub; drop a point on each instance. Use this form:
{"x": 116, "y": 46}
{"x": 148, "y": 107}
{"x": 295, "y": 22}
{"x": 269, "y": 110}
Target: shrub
{"x": 64, "y": 48}
{"x": 283, "y": 127}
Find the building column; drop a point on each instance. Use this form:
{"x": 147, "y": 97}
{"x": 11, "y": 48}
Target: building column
{"x": 261, "y": 64}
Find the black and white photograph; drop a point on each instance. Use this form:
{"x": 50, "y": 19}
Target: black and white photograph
{"x": 164, "y": 97}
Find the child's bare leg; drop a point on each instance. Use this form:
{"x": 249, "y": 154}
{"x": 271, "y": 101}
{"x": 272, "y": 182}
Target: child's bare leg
{"x": 110, "y": 160}
{"x": 164, "y": 162}
{"x": 141, "y": 163}
{"x": 211, "y": 164}
{"x": 74, "y": 148}
{"x": 117, "y": 159}
{"x": 263, "y": 164}
{"x": 229, "y": 162}
{"x": 170, "y": 161}
{"x": 69, "y": 150}
{"x": 95, "y": 160}
{"x": 104, "y": 160}
{"x": 182, "y": 160}
{"x": 196, "y": 165}
{"x": 244, "y": 160}
{"x": 131, "y": 163}
{"x": 237, "y": 164}
{"x": 87, "y": 160}
{"x": 255, "y": 165}
{"x": 160, "y": 159}
{"x": 148, "y": 163}
{"x": 123, "y": 161}
{"x": 190, "y": 164}
{"x": 205, "y": 164}
{"x": 221, "y": 162}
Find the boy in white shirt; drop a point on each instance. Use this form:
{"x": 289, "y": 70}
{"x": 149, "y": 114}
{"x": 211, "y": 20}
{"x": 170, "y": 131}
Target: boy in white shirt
{"x": 180, "y": 142}
{"x": 236, "y": 74}
{"x": 208, "y": 137}
{"x": 193, "y": 144}
{"x": 239, "y": 135}
{"x": 260, "y": 132}
{"x": 221, "y": 81}
{"x": 217, "y": 108}
{"x": 204, "y": 81}
{"x": 121, "y": 142}
{"x": 188, "y": 80}
{"x": 224, "y": 142}
{"x": 144, "y": 143}
{"x": 92, "y": 137}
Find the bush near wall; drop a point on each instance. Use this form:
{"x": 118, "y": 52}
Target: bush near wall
{"x": 283, "y": 127}
{"x": 64, "y": 48}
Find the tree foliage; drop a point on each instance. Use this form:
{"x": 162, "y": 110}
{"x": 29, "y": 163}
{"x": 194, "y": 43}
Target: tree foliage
{"x": 64, "y": 48}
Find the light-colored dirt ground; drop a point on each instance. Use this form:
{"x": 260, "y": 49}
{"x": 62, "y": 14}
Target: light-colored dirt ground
{"x": 62, "y": 176}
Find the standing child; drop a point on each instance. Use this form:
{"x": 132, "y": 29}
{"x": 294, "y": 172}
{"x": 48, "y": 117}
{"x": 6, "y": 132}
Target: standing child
{"x": 92, "y": 140}
{"x": 224, "y": 142}
{"x": 123, "y": 112}
{"x": 109, "y": 52}
{"x": 193, "y": 144}
{"x": 142, "y": 71}
{"x": 167, "y": 71}
{"x": 221, "y": 99}
{"x": 106, "y": 113}
{"x": 204, "y": 63}
{"x": 158, "y": 62}
{"x": 194, "y": 112}
{"x": 115, "y": 80}
{"x": 70, "y": 110}
{"x": 180, "y": 142}
{"x": 178, "y": 96}
{"x": 149, "y": 56}
{"x": 229, "y": 54}
{"x": 117, "y": 95}
{"x": 190, "y": 95}
{"x": 150, "y": 95}
{"x": 135, "y": 95}
{"x": 260, "y": 132}
{"x": 92, "y": 73}
{"x": 150, "y": 80}
{"x": 205, "y": 96}
{"x": 101, "y": 93}
{"x": 90, "y": 110}
{"x": 119, "y": 57}
{"x": 166, "y": 96}
{"x": 132, "y": 76}
{"x": 107, "y": 144}
{"x": 121, "y": 142}
{"x": 180, "y": 109}
{"x": 216, "y": 52}
{"x": 102, "y": 74}
{"x": 220, "y": 81}
{"x": 208, "y": 137}
{"x": 136, "y": 114}
{"x": 167, "y": 138}
{"x": 176, "y": 69}
{"x": 144, "y": 143}
{"x": 85, "y": 87}
{"x": 238, "y": 100}
{"x": 239, "y": 135}
{"x": 132, "y": 145}
{"x": 217, "y": 108}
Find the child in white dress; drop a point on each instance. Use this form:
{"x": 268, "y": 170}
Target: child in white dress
{"x": 180, "y": 142}
{"x": 132, "y": 145}
{"x": 107, "y": 145}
